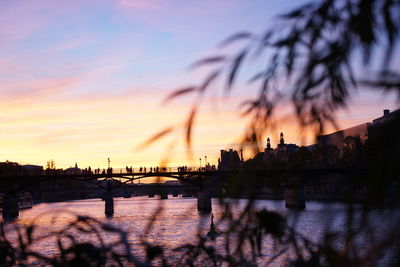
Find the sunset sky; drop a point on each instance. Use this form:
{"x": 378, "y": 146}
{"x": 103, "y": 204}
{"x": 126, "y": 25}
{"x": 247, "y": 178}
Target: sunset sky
{"x": 82, "y": 81}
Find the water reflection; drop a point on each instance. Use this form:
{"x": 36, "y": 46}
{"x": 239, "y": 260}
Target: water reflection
{"x": 176, "y": 221}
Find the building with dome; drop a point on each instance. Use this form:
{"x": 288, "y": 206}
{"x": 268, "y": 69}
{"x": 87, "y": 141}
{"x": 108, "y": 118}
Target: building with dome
{"x": 281, "y": 152}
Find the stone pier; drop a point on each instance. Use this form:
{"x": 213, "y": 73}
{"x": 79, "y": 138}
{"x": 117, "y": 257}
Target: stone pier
{"x": 204, "y": 202}
{"x": 10, "y": 207}
{"x": 295, "y": 197}
{"x": 164, "y": 195}
{"x": 108, "y": 204}
{"x": 109, "y": 201}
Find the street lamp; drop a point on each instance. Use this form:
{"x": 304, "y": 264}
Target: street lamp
{"x": 205, "y": 160}
{"x": 200, "y": 162}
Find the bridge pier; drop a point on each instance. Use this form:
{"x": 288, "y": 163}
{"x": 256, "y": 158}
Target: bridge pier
{"x": 10, "y": 207}
{"x": 108, "y": 204}
{"x": 108, "y": 201}
{"x": 164, "y": 195}
{"x": 204, "y": 202}
{"x": 295, "y": 197}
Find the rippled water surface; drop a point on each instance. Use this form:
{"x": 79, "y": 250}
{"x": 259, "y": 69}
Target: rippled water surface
{"x": 179, "y": 221}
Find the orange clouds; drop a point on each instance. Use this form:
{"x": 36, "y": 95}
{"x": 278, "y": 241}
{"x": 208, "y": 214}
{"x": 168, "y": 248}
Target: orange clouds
{"x": 82, "y": 81}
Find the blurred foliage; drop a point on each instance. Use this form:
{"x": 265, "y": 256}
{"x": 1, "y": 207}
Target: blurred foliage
{"x": 309, "y": 59}
{"x": 71, "y": 252}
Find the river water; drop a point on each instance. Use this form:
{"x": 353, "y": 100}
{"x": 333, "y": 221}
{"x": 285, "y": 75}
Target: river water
{"x": 179, "y": 221}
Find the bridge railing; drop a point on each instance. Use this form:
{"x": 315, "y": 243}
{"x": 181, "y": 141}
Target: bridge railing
{"x": 126, "y": 170}
{"x": 159, "y": 169}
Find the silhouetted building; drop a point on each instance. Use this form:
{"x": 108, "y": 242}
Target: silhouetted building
{"x": 336, "y": 138}
{"x": 74, "y": 170}
{"x": 268, "y": 151}
{"x": 387, "y": 115}
{"x": 10, "y": 168}
{"x": 362, "y": 131}
{"x": 33, "y": 169}
{"x": 229, "y": 160}
{"x": 281, "y": 152}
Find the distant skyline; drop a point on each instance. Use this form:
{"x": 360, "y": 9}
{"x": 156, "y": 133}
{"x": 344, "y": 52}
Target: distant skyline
{"x": 83, "y": 81}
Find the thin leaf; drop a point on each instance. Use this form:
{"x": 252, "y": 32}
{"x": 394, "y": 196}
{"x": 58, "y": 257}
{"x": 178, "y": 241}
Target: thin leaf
{"x": 208, "y": 60}
{"x": 189, "y": 127}
{"x": 256, "y": 77}
{"x": 266, "y": 38}
{"x": 179, "y": 92}
{"x": 234, "y": 68}
{"x": 248, "y": 106}
{"x": 235, "y": 37}
{"x": 209, "y": 79}
{"x": 156, "y": 137}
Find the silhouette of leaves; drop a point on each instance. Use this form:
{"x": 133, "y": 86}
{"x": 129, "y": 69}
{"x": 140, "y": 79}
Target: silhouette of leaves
{"x": 179, "y": 92}
{"x": 211, "y": 77}
{"x": 153, "y": 251}
{"x": 189, "y": 127}
{"x": 156, "y": 137}
{"x": 209, "y": 60}
{"x": 111, "y": 251}
{"x": 234, "y": 68}
{"x": 236, "y": 37}
{"x": 309, "y": 61}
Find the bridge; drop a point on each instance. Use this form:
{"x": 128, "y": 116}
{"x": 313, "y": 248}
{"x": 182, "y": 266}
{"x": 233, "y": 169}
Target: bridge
{"x": 206, "y": 181}
{"x": 14, "y": 183}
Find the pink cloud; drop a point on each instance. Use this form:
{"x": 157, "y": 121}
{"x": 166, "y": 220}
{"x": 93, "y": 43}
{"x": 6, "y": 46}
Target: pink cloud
{"x": 141, "y": 4}
{"x": 171, "y": 16}
{"x": 69, "y": 45}
{"x": 12, "y": 30}
{"x": 37, "y": 90}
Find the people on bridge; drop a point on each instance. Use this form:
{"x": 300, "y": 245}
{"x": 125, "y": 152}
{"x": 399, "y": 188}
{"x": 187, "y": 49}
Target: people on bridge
{"x": 183, "y": 169}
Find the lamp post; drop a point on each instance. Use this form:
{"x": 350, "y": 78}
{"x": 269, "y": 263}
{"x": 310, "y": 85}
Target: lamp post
{"x": 200, "y": 162}
{"x": 109, "y": 166}
{"x": 205, "y": 161}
